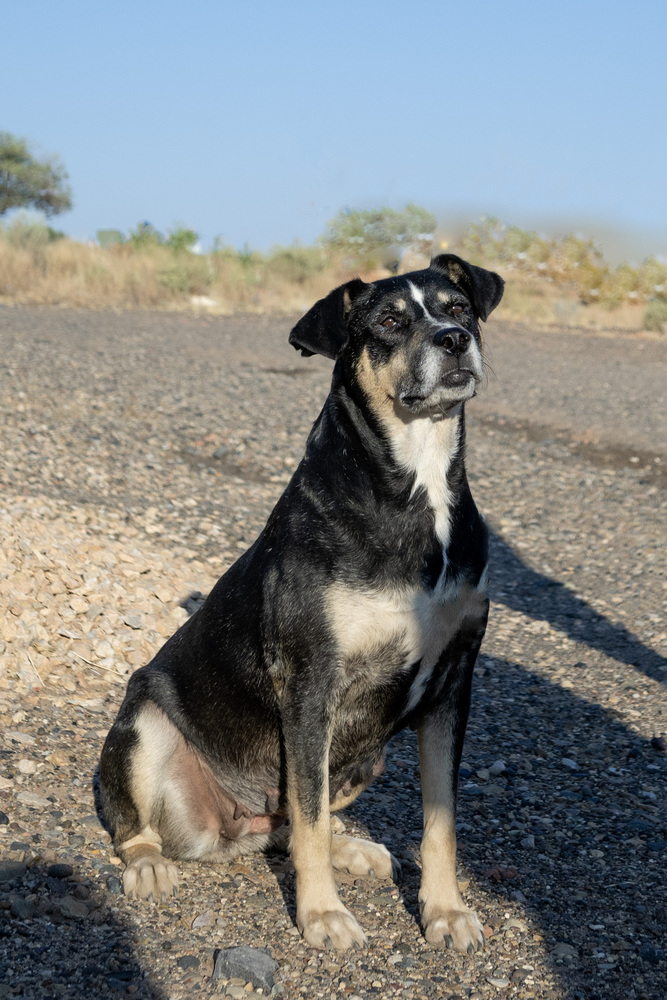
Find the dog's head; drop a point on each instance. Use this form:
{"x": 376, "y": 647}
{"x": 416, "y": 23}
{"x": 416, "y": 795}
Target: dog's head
{"x": 411, "y": 341}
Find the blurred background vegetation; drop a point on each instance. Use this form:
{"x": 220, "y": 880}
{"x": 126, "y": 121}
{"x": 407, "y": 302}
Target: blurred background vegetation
{"x": 560, "y": 280}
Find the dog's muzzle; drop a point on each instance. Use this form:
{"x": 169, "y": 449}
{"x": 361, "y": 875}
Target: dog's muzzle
{"x": 446, "y": 370}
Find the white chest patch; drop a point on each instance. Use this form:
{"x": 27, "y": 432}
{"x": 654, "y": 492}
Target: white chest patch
{"x": 426, "y": 447}
{"x": 418, "y": 622}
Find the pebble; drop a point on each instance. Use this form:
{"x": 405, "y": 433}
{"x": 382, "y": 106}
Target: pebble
{"x": 12, "y": 871}
{"x": 129, "y": 541}
{"x": 253, "y": 965}
{"x": 73, "y": 908}
{"x": 60, "y": 870}
{"x": 650, "y": 953}
{"x": 22, "y": 909}
{"x": 188, "y": 962}
{"x": 565, "y": 951}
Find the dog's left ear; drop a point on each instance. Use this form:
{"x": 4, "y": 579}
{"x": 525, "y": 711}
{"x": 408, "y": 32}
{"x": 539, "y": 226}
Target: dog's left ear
{"x": 483, "y": 288}
{"x": 323, "y": 330}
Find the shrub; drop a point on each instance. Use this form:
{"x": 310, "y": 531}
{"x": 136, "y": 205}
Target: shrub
{"x": 295, "y": 263}
{"x": 144, "y": 235}
{"x": 189, "y": 274}
{"x": 30, "y": 234}
{"x": 655, "y": 317}
{"x": 181, "y": 240}
{"x": 109, "y": 238}
{"x": 367, "y": 236}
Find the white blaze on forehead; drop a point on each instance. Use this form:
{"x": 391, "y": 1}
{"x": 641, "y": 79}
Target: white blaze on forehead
{"x": 418, "y": 296}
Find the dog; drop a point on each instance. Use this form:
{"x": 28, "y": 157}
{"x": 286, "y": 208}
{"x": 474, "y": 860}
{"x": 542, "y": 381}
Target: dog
{"x": 358, "y": 611}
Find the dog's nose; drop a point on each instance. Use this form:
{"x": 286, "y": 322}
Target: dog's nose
{"x": 454, "y": 340}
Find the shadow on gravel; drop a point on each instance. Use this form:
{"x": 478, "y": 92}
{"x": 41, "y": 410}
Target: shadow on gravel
{"x": 52, "y": 943}
{"x": 541, "y": 597}
{"x": 570, "y": 830}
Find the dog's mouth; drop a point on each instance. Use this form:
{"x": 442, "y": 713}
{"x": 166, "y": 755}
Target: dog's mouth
{"x": 456, "y": 378}
{"x": 453, "y": 387}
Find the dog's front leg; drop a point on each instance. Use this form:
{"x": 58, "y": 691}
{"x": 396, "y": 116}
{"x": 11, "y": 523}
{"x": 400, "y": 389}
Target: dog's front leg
{"x": 445, "y": 917}
{"x": 320, "y": 915}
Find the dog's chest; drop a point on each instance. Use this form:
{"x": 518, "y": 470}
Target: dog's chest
{"x": 385, "y": 634}
{"x": 426, "y": 448}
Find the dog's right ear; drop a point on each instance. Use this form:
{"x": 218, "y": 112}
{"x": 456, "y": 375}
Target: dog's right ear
{"x": 323, "y": 330}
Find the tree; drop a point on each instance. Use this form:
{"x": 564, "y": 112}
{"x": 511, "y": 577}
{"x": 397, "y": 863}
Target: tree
{"x": 363, "y": 233}
{"x": 26, "y": 182}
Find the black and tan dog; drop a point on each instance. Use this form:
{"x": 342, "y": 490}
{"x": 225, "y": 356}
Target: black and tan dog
{"x": 359, "y": 610}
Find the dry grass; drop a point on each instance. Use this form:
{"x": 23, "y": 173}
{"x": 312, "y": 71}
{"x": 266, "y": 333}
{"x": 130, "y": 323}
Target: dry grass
{"x": 72, "y": 274}
{"x": 34, "y": 270}
{"x": 533, "y": 300}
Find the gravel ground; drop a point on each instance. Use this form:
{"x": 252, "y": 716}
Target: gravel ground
{"x": 139, "y": 455}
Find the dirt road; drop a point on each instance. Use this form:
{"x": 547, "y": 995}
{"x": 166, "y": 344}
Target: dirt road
{"x": 139, "y": 454}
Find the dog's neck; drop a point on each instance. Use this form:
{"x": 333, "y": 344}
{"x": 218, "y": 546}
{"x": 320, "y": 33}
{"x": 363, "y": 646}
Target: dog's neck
{"x": 426, "y": 452}
{"x": 428, "y": 448}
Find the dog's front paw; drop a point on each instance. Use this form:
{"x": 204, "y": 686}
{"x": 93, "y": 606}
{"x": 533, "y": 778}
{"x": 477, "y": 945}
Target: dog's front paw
{"x": 150, "y": 876}
{"x": 362, "y": 857}
{"x": 331, "y": 929}
{"x": 453, "y": 928}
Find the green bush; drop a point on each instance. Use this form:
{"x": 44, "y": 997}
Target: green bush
{"x": 109, "y": 238}
{"x": 295, "y": 263}
{"x": 30, "y": 234}
{"x": 181, "y": 239}
{"x": 655, "y": 317}
{"x": 370, "y": 235}
{"x": 144, "y": 235}
{"x": 190, "y": 274}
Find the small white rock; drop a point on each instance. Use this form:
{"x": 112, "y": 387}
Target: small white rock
{"x": 26, "y": 766}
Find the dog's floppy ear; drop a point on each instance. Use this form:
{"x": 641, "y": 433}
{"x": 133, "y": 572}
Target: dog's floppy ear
{"x": 483, "y": 288}
{"x": 323, "y": 330}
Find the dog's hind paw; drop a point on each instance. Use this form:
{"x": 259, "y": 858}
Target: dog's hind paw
{"x": 362, "y": 857}
{"x": 150, "y": 876}
{"x": 332, "y": 929}
{"x": 459, "y": 929}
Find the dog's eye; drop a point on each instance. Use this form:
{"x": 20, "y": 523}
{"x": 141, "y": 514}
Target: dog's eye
{"x": 388, "y": 322}
{"x": 457, "y": 310}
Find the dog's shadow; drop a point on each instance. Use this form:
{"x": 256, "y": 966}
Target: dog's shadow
{"x": 544, "y": 598}
{"x": 578, "y": 848}
{"x": 572, "y": 832}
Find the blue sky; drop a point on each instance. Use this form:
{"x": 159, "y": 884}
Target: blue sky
{"x": 257, "y": 122}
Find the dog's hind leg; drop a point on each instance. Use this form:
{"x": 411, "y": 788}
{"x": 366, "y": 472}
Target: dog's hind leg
{"x": 133, "y": 767}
